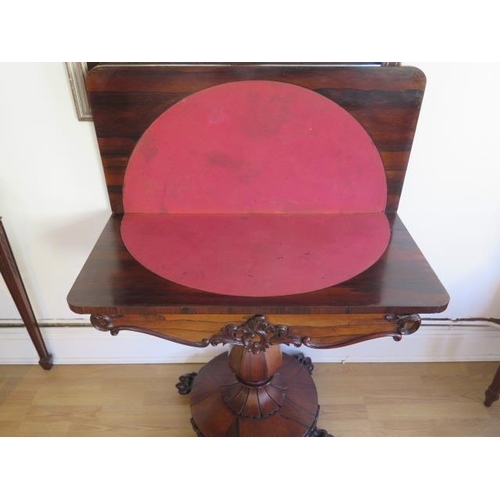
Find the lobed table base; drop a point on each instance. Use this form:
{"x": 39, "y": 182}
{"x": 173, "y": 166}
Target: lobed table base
{"x": 222, "y": 405}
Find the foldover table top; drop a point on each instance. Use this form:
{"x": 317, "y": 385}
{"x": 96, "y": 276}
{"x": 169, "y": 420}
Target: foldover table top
{"x": 135, "y": 107}
{"x": 113, "y": 282}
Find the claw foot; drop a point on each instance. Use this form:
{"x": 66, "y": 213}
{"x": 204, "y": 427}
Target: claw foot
{"x": 185, "y": 383}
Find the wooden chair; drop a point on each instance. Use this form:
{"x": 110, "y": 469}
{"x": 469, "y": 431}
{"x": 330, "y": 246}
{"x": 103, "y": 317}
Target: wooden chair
{"x": 10, "y": 272}
{"x": 493, "y": 392}
{"x": 256, "y": 205}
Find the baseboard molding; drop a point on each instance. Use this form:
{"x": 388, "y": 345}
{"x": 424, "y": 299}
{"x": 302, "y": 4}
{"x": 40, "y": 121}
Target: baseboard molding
{"x": 444, "y": 341}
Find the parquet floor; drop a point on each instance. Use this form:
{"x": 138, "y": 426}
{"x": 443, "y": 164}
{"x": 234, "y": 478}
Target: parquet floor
{"x": 392, "y": 399}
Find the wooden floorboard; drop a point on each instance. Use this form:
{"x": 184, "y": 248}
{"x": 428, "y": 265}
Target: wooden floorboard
{"x": 391, "y": 399}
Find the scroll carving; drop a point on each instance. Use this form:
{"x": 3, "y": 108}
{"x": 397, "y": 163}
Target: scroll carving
{"x": 105, "y": 323}
{"x": 256, "y": 335}
{"x": 407, "y": 324}
{"x": 349, "y": 341}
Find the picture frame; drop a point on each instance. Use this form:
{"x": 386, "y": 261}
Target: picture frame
{"x": 77, "y": 72}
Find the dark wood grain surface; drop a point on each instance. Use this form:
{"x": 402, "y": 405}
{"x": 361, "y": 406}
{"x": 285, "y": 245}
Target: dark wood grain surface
{"x": 125, "y": 100}
{"x": 113, "y": 282}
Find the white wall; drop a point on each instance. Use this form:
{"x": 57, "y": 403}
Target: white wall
{"x": 54, "y": 204}
{"x": 451, "y": 197}
{"x": 53, "y": 201}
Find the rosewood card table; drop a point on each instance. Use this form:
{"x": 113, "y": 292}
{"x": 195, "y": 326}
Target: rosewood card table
{"x": 256, "y": 205}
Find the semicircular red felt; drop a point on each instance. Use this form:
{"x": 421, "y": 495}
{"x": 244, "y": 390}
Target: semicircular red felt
{"x": 255, "y": 147}
{"x": 256, "y": 255}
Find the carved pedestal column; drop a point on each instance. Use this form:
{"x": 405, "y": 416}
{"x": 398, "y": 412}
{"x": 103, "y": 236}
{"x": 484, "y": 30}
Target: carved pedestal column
{"x": 224, "y": 405}
{"x": 259, "y": 390}
{"x": 255, "y": 390}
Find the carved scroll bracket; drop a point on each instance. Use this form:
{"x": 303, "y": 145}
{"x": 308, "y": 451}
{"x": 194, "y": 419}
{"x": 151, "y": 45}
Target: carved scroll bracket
{"x": 104, "y": 323}
{"x": 407, "y": 324}
{"x": 256, "y": 335}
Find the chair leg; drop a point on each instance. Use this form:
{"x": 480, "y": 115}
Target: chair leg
{"x": 12, "y": 277}
{"x": 493, "y": 391}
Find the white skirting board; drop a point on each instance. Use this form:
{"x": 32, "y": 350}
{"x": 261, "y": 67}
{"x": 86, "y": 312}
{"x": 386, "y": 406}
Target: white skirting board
{"x": 441, "y": 341}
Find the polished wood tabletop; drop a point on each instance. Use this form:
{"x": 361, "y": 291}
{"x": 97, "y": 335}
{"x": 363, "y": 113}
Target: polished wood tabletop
{"x": 113, "y": 282}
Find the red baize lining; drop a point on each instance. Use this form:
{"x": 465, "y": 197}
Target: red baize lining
{"x": 255, "y": 188}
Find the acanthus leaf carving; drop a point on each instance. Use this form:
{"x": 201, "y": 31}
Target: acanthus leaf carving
{"x": 256, "y": 335}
